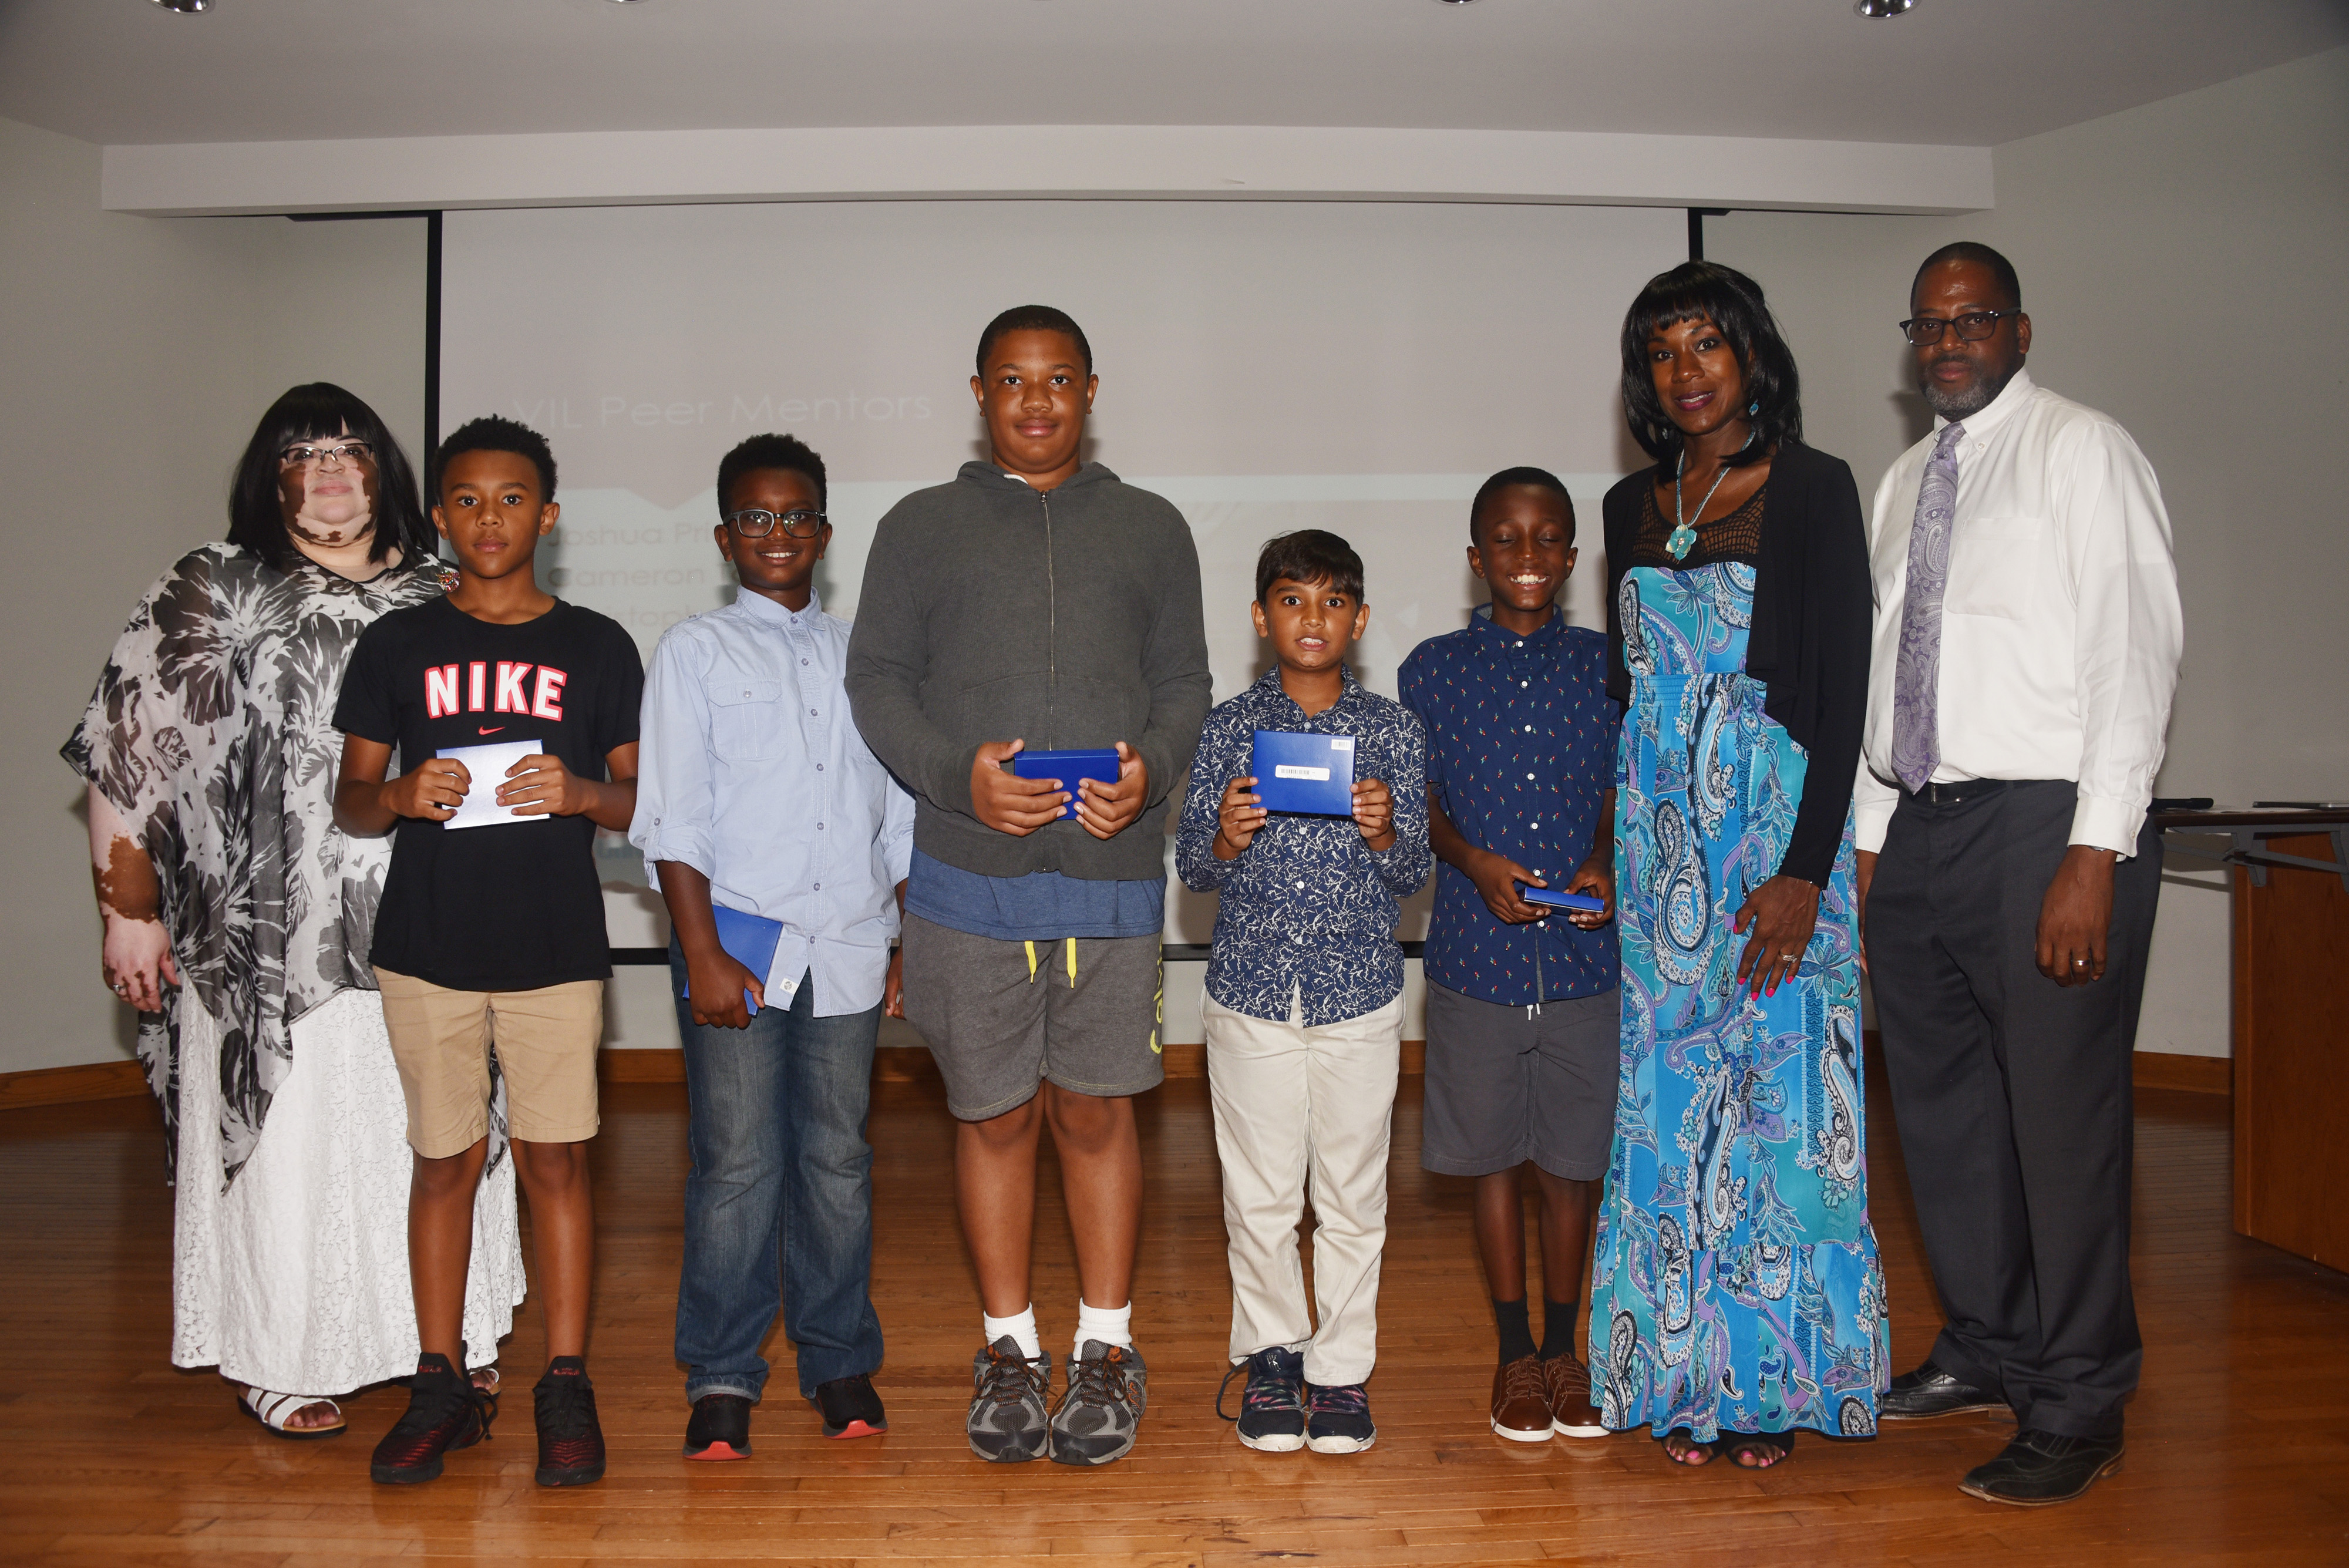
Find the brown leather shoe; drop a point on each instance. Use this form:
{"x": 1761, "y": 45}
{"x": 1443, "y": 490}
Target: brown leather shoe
{"x": 1521, "y": 1411}
{"x": 1572, "y": 1415}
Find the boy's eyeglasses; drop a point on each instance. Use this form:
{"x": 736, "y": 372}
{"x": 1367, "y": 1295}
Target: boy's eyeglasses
{"x": 344, "y": 452}
{"x": 1972, "y": 326}
{"x": 757, "y": 524}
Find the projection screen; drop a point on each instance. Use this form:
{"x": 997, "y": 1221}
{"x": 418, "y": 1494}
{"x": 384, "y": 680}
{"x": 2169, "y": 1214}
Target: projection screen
{"x": 1265, "y": 365}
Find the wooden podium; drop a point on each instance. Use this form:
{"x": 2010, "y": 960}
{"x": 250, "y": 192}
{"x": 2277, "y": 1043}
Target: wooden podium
{"x": 2290, "y": 1024}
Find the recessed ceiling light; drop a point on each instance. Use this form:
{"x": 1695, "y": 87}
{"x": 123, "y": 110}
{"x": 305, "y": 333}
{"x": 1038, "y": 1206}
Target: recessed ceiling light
{"x": 185, "y": 7}
{"x": 1879, "y": 9}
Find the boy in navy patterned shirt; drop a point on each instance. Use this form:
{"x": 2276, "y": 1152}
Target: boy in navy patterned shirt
{"x": 1522, "y": 1000}
{"x": 1304, "y": 1003}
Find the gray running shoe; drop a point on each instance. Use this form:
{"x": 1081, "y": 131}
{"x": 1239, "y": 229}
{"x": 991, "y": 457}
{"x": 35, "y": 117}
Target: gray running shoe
{"x": 1109, "y": 1389}
{"x": 1008, "y": 1422}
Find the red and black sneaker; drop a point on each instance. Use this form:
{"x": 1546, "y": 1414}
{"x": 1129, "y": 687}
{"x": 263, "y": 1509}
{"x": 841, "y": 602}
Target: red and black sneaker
{"x": 569, "y": 1440}
{"x": 444, "y": 1412}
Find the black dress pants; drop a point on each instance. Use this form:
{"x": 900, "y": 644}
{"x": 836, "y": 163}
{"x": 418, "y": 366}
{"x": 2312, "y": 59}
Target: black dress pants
{"x": 2013, "y": 1098}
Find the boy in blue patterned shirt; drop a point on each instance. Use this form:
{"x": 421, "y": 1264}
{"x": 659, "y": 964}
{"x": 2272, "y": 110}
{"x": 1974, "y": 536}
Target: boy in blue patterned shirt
{"x": 1304, "y": 1003}
{"x": 1522, "y": 1000}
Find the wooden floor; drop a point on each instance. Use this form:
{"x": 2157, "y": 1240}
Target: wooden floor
{"x": 2237, "y": 1445}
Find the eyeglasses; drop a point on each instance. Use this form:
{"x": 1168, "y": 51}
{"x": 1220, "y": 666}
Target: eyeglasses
{"x": 1972, "y": 326}
{"x": 757, "y": 524}
{"x": 345, "y": 451}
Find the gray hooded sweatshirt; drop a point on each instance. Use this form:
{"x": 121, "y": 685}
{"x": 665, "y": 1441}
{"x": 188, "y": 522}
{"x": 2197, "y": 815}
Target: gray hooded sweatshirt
{"x": 1067, "y": 618}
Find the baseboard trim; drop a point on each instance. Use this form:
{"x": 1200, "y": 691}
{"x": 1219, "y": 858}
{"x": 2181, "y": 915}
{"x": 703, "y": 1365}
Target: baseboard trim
{"x": 2194, "y": 1074}
{"x": 124, "y": 1080}
{"x": 908, "y": 1063}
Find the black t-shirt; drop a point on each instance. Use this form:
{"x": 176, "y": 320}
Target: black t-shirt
{"x": 512, "y": 906}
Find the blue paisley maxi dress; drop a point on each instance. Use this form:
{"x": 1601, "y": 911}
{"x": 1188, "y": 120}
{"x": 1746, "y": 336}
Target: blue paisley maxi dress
{"x": 1736, "y": 1286}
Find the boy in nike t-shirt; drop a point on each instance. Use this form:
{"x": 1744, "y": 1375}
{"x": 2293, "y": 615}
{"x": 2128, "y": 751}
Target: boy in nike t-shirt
{"x": 490, "y": 937}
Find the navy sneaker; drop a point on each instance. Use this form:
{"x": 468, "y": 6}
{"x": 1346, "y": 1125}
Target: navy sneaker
{"x": 1272, "y": 1402}
{"x": 1339, "y": 1420}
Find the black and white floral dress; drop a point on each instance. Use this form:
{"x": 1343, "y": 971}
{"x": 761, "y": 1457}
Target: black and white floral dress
{"x": 211, "y": 733}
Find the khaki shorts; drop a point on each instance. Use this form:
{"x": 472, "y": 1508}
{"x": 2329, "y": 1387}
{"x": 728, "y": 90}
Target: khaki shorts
{"x": 545, "y": 1042}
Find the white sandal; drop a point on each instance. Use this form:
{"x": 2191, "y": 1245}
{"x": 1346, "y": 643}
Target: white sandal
{"x": 272, "y": 1410}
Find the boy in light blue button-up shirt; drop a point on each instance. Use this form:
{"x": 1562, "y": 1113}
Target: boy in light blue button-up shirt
{"x": 757, "y": 795}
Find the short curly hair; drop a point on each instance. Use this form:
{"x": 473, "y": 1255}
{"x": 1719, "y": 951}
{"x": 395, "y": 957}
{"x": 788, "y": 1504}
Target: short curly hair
{"x": 494, "y": 432}
{"x": 769, "y": 451}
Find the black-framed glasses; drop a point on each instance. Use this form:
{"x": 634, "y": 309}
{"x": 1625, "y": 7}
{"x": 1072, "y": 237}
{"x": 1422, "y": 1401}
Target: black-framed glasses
{"x": 1972, "y": 326}
{"x": 758, "y": 522}
{"x": 304, "y": 454}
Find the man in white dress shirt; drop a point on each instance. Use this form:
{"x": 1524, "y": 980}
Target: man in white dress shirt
{"x": 2027, "y": 635}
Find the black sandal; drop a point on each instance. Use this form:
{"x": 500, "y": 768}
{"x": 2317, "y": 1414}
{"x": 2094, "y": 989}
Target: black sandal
{"x": 1742, "y": 1447}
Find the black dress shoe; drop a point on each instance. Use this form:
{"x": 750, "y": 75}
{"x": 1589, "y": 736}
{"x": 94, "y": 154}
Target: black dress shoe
{"x": 851, "y": 1409}
{"x": 2041, "y": 1467}
{"x": 1928, "y": 1392}
{"x": 719, "y": 1427}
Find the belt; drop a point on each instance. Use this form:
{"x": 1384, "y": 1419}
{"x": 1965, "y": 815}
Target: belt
{"x": 1951, "y": 793}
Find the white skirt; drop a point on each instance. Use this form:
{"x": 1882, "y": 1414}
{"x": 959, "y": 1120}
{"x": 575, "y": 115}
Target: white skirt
{"x": 296, "y": 1279}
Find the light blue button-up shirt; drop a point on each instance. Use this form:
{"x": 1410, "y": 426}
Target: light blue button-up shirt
{"x": 750, "y": 770}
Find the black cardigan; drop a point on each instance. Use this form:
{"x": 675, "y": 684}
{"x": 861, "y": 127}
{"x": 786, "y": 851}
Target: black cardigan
{"x": 1814, "y": 606}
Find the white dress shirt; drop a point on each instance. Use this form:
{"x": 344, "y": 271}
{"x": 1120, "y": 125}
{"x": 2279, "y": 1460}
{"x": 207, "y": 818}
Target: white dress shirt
{"x": 750, "y": 770}
{"x": 2060, "y": 622}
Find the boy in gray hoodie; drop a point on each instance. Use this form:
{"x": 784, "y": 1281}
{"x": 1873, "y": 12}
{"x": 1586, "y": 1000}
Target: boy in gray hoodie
{"x": 1036, "y": 603}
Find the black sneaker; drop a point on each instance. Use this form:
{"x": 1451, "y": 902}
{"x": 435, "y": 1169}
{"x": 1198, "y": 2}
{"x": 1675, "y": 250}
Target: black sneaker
{"x": 1109, "y": 1389}
{"x": 1272, "y": 1403}
{"x": 569, "y": 1440}
{"x": 1338, "y": 1421}
{"x": 718, "y": 1428}
{"x": 851, "y": 1409}
{"x": 444, "y": 1412}
{"x": 1008, "y": 1422}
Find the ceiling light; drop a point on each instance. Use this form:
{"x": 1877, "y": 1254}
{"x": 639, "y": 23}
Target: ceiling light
{"x": 185, "y": 7}
{"x": 1879, "y": 9}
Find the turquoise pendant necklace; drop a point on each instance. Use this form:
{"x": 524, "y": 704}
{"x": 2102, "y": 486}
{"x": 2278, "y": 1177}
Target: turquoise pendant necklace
{"x": 1682, "y": 538}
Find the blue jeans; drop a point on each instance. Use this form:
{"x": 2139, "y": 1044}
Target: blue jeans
{"x": 779, "y": 1200}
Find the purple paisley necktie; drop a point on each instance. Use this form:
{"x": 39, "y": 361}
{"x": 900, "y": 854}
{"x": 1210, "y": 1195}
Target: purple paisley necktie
{"x": 1916, "y": 668}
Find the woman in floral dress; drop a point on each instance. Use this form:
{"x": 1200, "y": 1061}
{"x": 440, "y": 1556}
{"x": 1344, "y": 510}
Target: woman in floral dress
{"x": 238, "y": 920}
{"x": 1737, "y": 1292}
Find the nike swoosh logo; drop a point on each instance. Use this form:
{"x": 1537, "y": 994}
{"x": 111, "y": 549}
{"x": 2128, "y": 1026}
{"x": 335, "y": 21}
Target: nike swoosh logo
{"x": 489, "y": 729}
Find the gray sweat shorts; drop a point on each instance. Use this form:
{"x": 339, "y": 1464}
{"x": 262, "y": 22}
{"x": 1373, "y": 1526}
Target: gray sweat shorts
{"x": 1001, "y": 1017}
{"x": 1505, "y": 1084}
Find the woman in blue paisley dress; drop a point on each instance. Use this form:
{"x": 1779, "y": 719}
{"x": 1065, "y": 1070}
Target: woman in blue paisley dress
{"x": 1736, "y": 1294}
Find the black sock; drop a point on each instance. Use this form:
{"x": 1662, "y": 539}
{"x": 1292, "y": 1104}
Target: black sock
{"x": 1517, "y": 1330}
{"x": 1557, "y": 1329}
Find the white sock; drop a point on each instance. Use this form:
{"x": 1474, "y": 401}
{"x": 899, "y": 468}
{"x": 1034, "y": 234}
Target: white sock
{"x": 1020, "y": 1326}
{"x": 1111, "y": 1325}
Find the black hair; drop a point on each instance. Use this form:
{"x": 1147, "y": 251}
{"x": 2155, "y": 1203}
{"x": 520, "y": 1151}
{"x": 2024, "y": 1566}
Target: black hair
{"x": 1033, "y": 318}
{"x": 1310, "y": 556}
{"x": 1541, "y": 478}
{"x": 2002, "y": 271}
{"x": 770, "y": 451}
{"x": 316, "y": 409}
{"x": 494, "y": 432}
{"x": 1708, "y": 291}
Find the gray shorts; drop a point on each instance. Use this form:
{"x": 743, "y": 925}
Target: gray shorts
{"x": 1001, "y": 1017}
{"x": 1503, "y": 1087}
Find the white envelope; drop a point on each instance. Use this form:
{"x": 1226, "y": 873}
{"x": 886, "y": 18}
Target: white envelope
{"x": 488, "y": 766}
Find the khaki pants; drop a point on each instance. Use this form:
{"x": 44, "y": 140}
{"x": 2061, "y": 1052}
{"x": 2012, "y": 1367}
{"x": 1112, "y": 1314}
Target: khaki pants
{"x": 1293, "y": 1102}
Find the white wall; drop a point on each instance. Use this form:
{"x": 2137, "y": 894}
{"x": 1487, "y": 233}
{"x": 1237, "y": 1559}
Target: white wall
{"x": 139, "y": 353}
{"x": 2182, "y": 263}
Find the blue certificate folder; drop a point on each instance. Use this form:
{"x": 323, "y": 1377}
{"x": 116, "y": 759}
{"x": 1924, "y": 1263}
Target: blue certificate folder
{"x": 1309, "y": 774}
{"x": 1068, "y": 767}
{"x": 749, "y": 941}
{"x": 1560, "y": 899}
